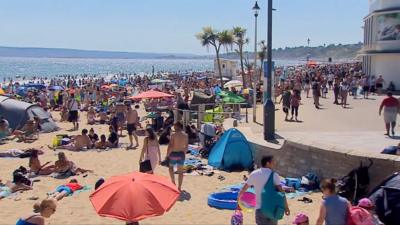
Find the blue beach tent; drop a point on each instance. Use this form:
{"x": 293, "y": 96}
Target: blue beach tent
{"x": 232, "y": 152}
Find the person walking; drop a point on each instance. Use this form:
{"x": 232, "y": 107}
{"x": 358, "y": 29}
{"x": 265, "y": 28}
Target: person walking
{"x": 285, "y": 100}
{"x": 176, "y": 152}
{"x": 258, "y": 179}
{"x": 344, "y": 92}
{"x": 73, "y": 115}
{"x": 334, "y": 209}
{"x": 316, "y": 91}
{"x": 132, "y": 118}
{"x": 295, "y": 104}
{"x": 336, "y": 89}
{"x": 151, "y": 150}
{"x": 391, "y": 107}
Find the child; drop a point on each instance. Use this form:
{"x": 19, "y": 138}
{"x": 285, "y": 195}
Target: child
{"x": 301, "y": 219}
{"x": 366, "y": 204}
{"x": 102, "y": 144}
{"x": 67, "y": 189}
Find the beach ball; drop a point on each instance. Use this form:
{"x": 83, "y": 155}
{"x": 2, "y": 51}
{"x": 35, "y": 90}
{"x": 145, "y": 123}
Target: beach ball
{"x": 247, "y": 202}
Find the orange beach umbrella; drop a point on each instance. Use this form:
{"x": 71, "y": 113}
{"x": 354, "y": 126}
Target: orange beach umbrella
{"x": 134, "y": 197}
{"x": 151, "y": 94}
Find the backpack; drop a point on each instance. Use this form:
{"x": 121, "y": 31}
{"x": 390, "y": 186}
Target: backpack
{"x": 359, "y": 216}
{"x": 272, "y": 201}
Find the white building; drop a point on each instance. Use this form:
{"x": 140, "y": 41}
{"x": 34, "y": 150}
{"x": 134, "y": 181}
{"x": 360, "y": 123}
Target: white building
{"x": 229, "y": 68}
{"x": 381, "y": 51}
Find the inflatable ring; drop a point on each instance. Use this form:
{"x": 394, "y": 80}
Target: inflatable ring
{"x": 223, "y": 200}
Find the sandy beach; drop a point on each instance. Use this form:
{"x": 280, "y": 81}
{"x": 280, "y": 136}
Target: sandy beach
{"x": 77, "y": 209}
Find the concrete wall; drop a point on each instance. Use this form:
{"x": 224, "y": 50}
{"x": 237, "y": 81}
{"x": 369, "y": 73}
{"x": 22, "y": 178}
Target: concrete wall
{"x": 295, "y": 160}
{"x": 388, "y": 65}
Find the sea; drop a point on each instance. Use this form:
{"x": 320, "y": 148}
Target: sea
{"x": 10, "y": 67}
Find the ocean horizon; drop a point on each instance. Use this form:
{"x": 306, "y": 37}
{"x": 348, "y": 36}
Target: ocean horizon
{"x": 10, "y": 67}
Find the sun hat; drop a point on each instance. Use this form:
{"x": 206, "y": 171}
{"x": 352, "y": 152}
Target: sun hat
{"x": 365, "y": 203}
{"x": 300, "y": 218}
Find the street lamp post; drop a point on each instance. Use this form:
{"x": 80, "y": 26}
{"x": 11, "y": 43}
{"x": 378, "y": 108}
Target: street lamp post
{"x": 269, "y": 107}
{"x": 256, "y": 10}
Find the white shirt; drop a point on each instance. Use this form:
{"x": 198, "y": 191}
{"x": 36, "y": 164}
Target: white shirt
{"x": 258, "y": 179}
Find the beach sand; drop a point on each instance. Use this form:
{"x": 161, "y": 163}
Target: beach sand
{"x": 78, "y": 210}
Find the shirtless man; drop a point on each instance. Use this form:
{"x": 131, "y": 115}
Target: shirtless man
{"x": 78, "y": 142}
{"x": 120, "y": 110}
{"x": 132, "y": 120}
{"x": 176, "y": 152}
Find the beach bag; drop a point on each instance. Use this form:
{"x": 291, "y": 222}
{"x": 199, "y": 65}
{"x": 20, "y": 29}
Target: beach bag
{"x": 359, "y": 216}
{"x": 237, "y": 218}
{"x": 272, "y": 201}
{"x": 145, "y": 166}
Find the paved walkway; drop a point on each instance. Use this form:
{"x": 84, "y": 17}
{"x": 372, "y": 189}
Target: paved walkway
{"x": 356, "y": 130}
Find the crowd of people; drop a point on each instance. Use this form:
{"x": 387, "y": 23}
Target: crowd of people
{"x": 109, "y": 102}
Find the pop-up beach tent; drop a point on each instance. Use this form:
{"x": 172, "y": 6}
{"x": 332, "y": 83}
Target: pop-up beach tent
{"x": 232, "y": 152}
{"x": 18, "y": 113}
{"x": 386, "y": 197}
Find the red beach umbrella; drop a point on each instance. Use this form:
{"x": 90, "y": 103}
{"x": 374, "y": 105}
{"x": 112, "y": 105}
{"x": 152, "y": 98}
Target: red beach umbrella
{"x": 151, "y": 94}
{"x": 134, "y": 197}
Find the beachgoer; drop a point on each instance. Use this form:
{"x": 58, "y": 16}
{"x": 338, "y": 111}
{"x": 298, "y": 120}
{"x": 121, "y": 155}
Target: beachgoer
{"x": 151, "y": 149}
{"x": 102, "y": 144}
{"x": 295, "y": 104}
{"x": 379, "y": 84}
{"x": 165, "y": 136}
{"x": 41, "y": 211}
{"x": 334, "y": 209}
{"x": 93, "y": 137}
{"x": 365, "y": 86}
{"x": 176, "y": 152}
{"x": 66, "y": 189}
{"x": 28, "y": 133}
{"x": 285, "y": 100}
{"x": 78, "y": 143}
{"x": 316, "y": 91}
{"x": 344, "y": 92}
{"x": 16, "y": 185}
{"x": 336, "y": 91}
{"x": 91, "y": 116}
{"x": 73, "y": 115}
{"x": 390, "y": 106}
{"x": 112, "y": 138}
{"x": 301, "y": 219}
{"x": 36, "y": 167}
{"x": 132, "y": 121}
{"x": 258, "y": 179}
{"x": 103, "y": 117}
{"x": 120, "y": 110}
{"x": 66, "y": 168}
{"x": 367, "y": 204}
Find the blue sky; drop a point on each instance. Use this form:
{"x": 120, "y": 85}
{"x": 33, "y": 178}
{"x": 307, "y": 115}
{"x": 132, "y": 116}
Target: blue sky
{"x": 170, "y": 25}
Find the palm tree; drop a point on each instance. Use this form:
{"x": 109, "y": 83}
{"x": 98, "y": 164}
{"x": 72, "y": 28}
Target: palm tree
{"x": 210, "y": 37}
{"x": 240, "y": 40}
{"x": 261, "y": 55}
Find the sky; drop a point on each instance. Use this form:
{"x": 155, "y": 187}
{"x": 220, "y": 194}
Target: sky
{"x": 169, "y": 26}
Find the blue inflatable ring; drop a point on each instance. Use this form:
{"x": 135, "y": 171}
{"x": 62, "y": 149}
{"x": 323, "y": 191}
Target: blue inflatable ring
{"x": 223, "y": 200}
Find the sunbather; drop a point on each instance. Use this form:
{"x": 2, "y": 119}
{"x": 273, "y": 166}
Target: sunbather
{"x": 36, "y": 167}
{"x": 28, "y": 133}
{"x": 14, "y": 186}
{"x": 65, "y": 168}
{"x": 78, "y": 143}
{"x": 66, "y": 189}
{"x": 91, "y": 116}
{"x": 102, "y": 144}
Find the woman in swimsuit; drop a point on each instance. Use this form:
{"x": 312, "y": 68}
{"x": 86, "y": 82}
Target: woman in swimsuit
{"x": 36, "y": 167}
{"x": 65, "y": 167}
{"x": 151, "y": 149}
{"x": 43, "y": 210}
{"x": 12, "y": 187}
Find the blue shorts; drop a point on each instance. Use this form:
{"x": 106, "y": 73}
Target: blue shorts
{"x": 65, "y": 189}
{"x": 176, "y": 158}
